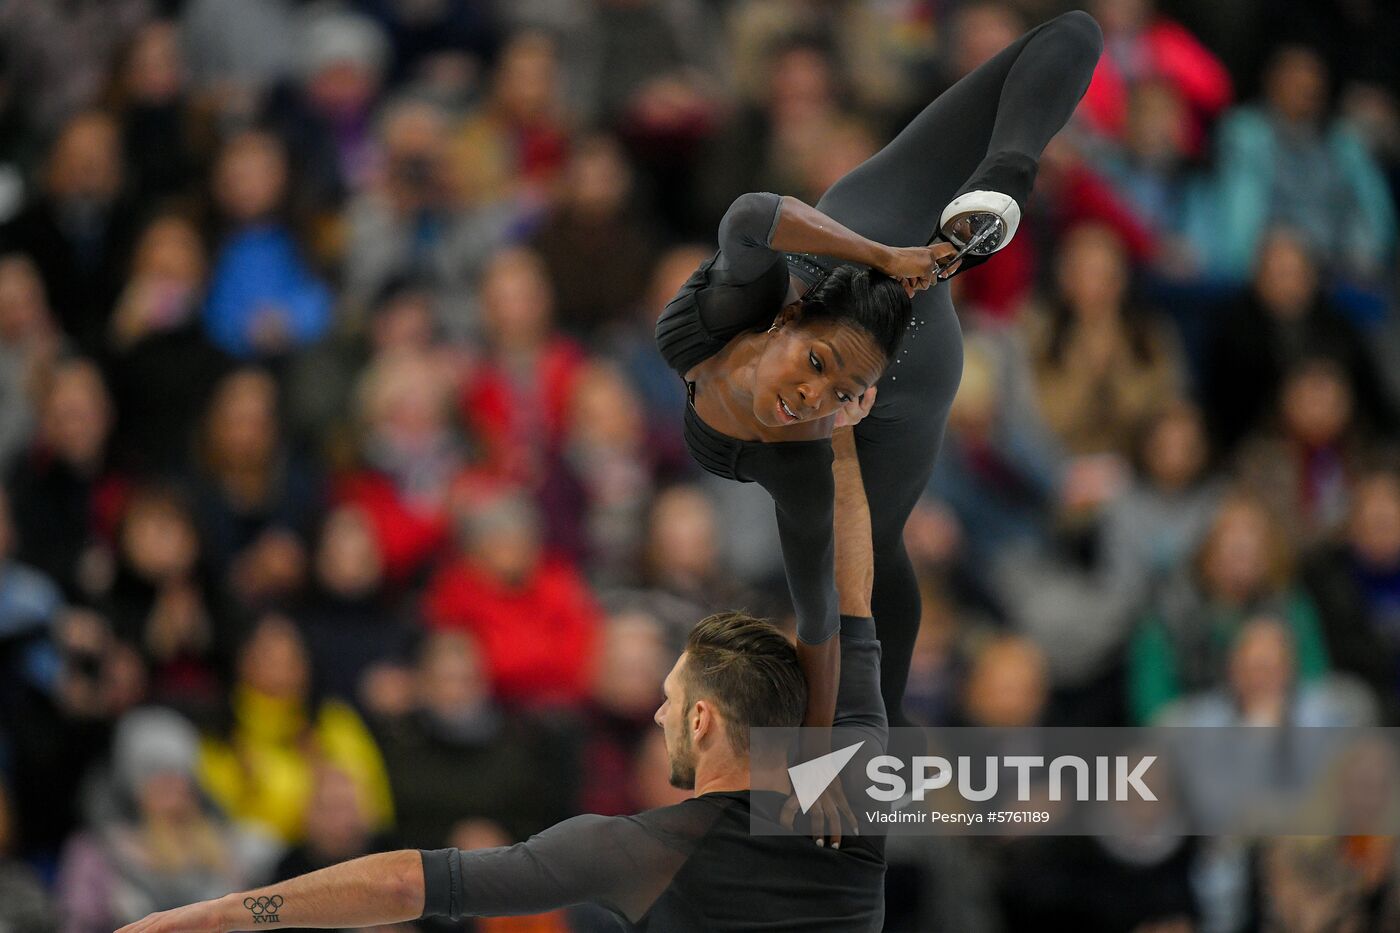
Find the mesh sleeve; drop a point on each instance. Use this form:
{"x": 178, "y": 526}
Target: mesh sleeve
{"x": 622, "y": 863}
{"x": 746, "y": 232}
{"x": 741, "y": 288}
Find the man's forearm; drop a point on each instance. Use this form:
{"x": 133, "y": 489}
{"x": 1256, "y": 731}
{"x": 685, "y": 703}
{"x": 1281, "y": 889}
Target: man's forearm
{"x": 804, "y": 229}
{"x": 821, "y": 667}
{"x": 855, "y": 559}
{"x": 365, "y": 892}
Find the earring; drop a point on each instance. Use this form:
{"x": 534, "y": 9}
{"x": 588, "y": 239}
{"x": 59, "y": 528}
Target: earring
{"x": 774, "y": 328}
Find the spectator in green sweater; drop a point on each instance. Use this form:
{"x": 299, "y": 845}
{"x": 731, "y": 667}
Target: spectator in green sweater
{"x": 1244, "y": 568}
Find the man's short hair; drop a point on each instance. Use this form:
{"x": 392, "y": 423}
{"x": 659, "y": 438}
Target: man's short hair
{"x": 749, "y": 670}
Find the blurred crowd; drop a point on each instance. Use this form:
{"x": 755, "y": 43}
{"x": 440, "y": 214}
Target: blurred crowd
{"x": 345, "y": 505}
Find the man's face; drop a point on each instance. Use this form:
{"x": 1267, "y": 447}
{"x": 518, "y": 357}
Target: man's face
{"x": 672, "y": 717}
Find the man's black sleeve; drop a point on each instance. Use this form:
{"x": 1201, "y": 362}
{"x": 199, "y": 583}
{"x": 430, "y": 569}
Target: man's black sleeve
{"x": 622, "y": 863}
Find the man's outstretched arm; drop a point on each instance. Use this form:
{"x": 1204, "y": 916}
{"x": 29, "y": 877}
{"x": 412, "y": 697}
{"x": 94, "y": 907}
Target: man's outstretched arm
{"x": 620, "y": 862}
{"x": 369, "y": 891}
{"x": 855, "y": 554}
{"x": 859, "y": 704}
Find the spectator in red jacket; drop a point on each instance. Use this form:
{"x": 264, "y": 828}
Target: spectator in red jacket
{"x": 531, "y": 612}
{"x": 409, "y": 455}
{"x": 1139, "y": 45}
{"x": 516, "y": 402}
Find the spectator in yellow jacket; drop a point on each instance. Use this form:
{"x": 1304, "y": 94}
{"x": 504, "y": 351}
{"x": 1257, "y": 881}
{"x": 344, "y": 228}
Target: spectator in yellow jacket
{"x": 262, "y": 768}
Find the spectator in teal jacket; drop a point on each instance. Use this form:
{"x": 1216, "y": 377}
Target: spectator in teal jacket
{"x": 1284, "y": 163}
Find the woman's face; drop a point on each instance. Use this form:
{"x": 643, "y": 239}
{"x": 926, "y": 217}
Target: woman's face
{"x": 1237, "y": 562}
{"x": 604, "y": 411}
{"x": 1262, "y": 663}
{"x": 403, "y": 324}
{"x": 1175, "y": 450}
{"x": 1285, "y": 277}
{"x": 85, "y": 164}
{"x": 451, "y": 678}
{"x": 1317, "y": 406}
{"x": 407, "y": 400}
{"x": 1007, "y": 686}
{"x": 159, "y": 540}
{"x": 167, "y": 796}
{"x": 682, "y": 540}
{"x": 1296, "y": 85}
{"x": 1121, "y": 16}
{"x": 516, "y": 301}
{"x": 809, "y": 371}
{"x": 24, "y": 308}
{"x": 801, "y": 83}
{"x": 155, "y": 71}
{"x": 243, "y": 419}
{"x": 631, "y": 662}
{"x": 348, "y": 561}
{"x": 274, "y": 660}
{"x": 76, "y": 417}
{"x": 598, "y": 179}
{"x": 250, "y": 177}
{"x": 1375, "y": 521}
{"x": 527, "y": 78}
{"x": 1157, "y": 122}
{"x": 337, "y": 819}
{"x": 170, "y": 250}
{"x": 504, "y": 540}
{"x": 1093, "y": 271}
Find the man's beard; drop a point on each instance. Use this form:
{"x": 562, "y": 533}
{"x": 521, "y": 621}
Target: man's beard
{"x": 683, "y": 766}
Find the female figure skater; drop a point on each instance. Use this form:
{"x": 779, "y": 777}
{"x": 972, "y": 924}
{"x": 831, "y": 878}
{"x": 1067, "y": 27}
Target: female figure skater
{"x": 791, "y": 325}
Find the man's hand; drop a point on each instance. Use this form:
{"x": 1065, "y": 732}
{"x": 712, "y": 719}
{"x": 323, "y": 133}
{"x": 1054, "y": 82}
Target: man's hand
{"x": 853, "y": 412}
{"x": 829, "y": 818}
{"x": 204, "y": 917}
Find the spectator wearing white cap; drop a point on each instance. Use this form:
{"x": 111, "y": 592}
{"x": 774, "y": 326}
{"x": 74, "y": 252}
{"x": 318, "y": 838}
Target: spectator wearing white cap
{"x": 324, "y": 111}
{"x": 153, "y": 842}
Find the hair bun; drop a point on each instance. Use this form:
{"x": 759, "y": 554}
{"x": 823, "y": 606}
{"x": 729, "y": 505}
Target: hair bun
{"x": 864, "y": 298}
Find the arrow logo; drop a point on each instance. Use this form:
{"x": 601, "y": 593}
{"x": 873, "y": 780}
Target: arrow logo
{"x": 811, "y": 778}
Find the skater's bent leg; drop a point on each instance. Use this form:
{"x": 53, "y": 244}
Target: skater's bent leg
{"x": 1041, "y": 91}
{"x": 1014, "y": 103}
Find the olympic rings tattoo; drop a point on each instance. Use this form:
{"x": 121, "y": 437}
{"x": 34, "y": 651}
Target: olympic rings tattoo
{"x": 264, "y": 909}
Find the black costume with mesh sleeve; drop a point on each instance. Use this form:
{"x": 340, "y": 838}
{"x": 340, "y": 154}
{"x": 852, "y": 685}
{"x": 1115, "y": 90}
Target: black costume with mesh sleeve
{"x": 697, "y": 866}
{"x": 986, "y": 132}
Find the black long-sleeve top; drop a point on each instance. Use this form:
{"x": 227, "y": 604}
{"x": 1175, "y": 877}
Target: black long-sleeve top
{"x": 742, "y": 288}
{"x": 694, "y": 867}
{"x": 717, "y": 863}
